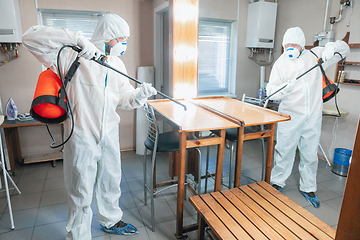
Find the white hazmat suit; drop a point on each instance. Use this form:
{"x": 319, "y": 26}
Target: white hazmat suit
{"x": 302, "y": 100}
{"x": 92, "y": 155}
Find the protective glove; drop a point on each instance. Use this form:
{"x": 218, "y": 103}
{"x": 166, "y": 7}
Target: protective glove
{"x": 329, "y": 51}
{"x": 146, "y": 91}
{"x": 290, "y": 86}
{"x": 88, "y": 49}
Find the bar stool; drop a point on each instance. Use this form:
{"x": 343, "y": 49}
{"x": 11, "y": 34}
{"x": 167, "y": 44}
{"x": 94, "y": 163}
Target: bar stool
{"x": 160, "y": 142}
{"x": 231, "y": 136}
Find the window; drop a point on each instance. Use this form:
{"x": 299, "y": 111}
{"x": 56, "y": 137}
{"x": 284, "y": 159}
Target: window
{"x": 216, "y": 62}
{"x": 84, "y": 21}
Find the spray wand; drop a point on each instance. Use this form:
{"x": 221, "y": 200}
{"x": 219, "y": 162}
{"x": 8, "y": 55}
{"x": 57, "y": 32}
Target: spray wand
{"x": 319, "y": 62}
{"x": 101, "y": 60}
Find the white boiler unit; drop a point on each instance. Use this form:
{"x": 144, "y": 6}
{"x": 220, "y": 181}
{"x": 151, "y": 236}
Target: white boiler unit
{"x": 10, "y": 22}
{"x": 261, "y": 21}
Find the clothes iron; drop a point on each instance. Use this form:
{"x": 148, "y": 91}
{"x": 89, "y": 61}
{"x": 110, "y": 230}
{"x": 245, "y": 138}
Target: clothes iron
{"x": 11, "y": 110}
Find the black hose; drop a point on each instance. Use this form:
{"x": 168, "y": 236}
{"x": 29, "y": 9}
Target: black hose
{"x": 337, "y": 86}
{"x": 67, "y": 102}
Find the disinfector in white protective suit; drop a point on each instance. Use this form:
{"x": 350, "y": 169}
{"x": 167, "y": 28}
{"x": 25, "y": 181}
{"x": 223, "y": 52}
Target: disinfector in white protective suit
{"x": 302, "y": 100}
{"x": 92, "y": 156}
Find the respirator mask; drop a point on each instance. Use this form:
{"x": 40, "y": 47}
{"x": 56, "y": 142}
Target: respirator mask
{"x": 118, "y": 49}
{"x": 292, "y": 53}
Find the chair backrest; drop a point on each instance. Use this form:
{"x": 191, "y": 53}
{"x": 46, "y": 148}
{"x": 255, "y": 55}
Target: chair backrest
{"x": 153, "y": 130}
{"x": 253, "y": 100}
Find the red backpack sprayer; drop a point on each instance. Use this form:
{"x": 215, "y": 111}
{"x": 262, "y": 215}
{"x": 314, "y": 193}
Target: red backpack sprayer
{"x": 329, "y": 88}
{"x": 50, "y": 103}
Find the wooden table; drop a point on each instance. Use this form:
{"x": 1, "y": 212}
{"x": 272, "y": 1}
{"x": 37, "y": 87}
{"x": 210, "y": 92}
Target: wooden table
{"x": 211, "y": 114}
{"x": 248, "y": 115}
{"x": 13, "y": 143}
{"x": 195, "y": 119}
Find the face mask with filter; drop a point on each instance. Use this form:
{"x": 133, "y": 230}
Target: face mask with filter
{"x": 292, "y": 53}
{"x": 118, "y": 49}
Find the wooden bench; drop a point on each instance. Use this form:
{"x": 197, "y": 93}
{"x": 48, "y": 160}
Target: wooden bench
{"x": 257, "y": 211}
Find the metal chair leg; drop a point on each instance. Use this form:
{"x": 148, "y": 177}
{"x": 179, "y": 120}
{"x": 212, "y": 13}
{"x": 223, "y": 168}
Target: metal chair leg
{"x": 207, "y": 167}
{"x": 264, "y": 155}
{"x": 264, "y": 159}
{"x": 231, "y": 163}
{"x": 145, "y": 177}
{"x": 199, "y": 177}
{"x": 153, "y": 161}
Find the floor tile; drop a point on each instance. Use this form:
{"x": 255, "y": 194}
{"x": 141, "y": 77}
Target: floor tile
{"x": 135, "y": 184}
{"x": 52, "y": 214}
{"x": 31, "y": 186}
{"x": 103, "y": 237}
{"x": 139, "y": 198}
{"x": 133, "y": 172}
{"x": 54, "y": 183}
{"x": 132, "y": 162}
{"x": 335, "y": 203}
{"x": 22, "y": 219}
{"x": 189, "y": 210}
{"x": 164, "y": 231}
{"x": 22, "y": 234}
{"x": 32, "y": 176}
{"x": 54, "y": 197}
{"x": 325, "y": 213}
{"x": 40, "y": 212}
{"x": 127, "y": 201}
{"x": 334, "y": 186}
{"x": 53, "y": 231}
{"x": 25, "y": 201}
{"x": 128, "y": 154}
{"x": 57, "y": 171}
{"x": 163, "y": 213}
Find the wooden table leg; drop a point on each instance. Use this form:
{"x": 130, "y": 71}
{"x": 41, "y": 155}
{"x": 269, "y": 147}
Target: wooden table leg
{"x": 239, "y": 151}
{"x": 219, "y": 161}
{"x": 270, "y": 152}
{"x": 13, "y": 146}
{"x": 181, "y": 186}
{"x": 201, "y": 229}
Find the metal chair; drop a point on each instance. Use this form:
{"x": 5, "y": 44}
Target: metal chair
{"x": 160, "y": 142}
{"x": 231, "y": 136}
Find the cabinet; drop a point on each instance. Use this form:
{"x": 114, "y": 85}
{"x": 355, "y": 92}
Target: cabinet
{"x": 348, "y": 64}
{"x": 13, "y": 144}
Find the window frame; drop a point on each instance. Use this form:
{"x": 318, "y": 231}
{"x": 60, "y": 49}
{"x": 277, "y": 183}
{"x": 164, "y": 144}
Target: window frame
{"x": 72, "y": 14}
{"x": 232, "y": 59}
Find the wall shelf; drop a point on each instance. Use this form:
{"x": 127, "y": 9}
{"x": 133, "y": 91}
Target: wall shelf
{"x": 353, "y": 82}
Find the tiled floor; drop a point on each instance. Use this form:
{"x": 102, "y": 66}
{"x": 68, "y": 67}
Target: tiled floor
{"x": 40, "y": 212}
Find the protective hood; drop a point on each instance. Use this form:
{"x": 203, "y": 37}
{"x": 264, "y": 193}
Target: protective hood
{"x": 295, "y": 36}
{"x": 109, "y": 27}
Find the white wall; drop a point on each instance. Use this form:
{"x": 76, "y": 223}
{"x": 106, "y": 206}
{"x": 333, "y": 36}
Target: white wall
{"x": 19, "y": 77}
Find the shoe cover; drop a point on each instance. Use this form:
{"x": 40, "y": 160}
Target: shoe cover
{"x": 314, "y": 201}
{"x": 277, "y": 187}
{"x": 127, "y": 230}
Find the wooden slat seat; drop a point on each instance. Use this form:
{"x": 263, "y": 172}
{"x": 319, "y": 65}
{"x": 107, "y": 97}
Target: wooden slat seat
{"x": 257, "y": 211}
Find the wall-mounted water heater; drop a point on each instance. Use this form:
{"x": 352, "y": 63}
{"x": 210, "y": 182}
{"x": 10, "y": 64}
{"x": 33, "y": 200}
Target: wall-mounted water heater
{"x": 10, "y": 22}
{"x": 261, "y": 21}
